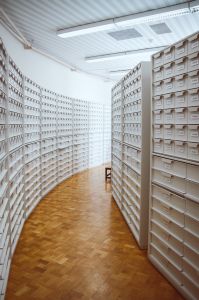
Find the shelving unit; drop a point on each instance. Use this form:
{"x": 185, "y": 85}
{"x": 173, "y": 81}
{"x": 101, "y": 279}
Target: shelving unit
{"x": 106, "y": 134}
{"x": 95, "y": 134}
{"x": 64, "y": 137}
{"x": 174, "y": 205}
{"x": 48, "y": 141}
{"x": 44, "y": 139}
{"x": 80, "y": 136}
{"x": 130, "y": 148}
{"x": 32, "y": 144}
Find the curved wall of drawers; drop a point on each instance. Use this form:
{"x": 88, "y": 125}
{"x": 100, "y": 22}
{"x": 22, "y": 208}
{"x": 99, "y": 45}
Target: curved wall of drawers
{"x": 44, "y": 139}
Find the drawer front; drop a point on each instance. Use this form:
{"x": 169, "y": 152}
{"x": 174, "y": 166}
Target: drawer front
{"x": 169, "y": 101}
{"x": 170, "y": 166}
{"x": 191, "y": 225}
{"x": 193, "y": 97}
{"x": 193, "y": 133}
{"x": 181, "y": 133}
{"x": 158, "y": 132}
{"x": 168, "y": 197}
{"x": 169, "y": 181}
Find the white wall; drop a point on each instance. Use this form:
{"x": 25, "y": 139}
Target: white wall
{"x": 54, "y": 76}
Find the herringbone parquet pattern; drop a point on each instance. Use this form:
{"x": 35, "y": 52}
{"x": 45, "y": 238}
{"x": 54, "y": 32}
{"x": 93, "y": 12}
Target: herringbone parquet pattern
{"x": 77, "y": 246}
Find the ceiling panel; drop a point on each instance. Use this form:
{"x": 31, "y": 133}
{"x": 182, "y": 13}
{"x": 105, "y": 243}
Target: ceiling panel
{"x": 39, "y": 20}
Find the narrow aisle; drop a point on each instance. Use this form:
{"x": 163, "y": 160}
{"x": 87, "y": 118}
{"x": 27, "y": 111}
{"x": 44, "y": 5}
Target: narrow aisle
{"x": 76, "y": 245}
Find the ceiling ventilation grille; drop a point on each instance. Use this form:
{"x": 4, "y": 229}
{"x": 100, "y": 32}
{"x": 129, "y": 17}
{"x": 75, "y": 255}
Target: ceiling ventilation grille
{"x": 126, "y": 34}
{"x": 160, "y": 28}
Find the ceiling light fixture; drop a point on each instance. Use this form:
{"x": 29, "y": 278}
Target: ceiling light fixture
{"x": 154, "y": 15}
{"x": 111, "y": 56}
{"x": 130, "y": 20}
{"x": 86, "y": 29}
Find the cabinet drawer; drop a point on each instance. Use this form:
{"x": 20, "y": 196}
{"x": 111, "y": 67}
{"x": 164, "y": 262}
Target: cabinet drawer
{"x": 181, "y": 49}
{"x": 191, "y": 240}
{"x": 170, "y": 226}
{"x": 192, "y": 190}
{"x": 158, "y": 102}
{"x": 190, "y": 288}
{"x": 191, "y": 255}
{"x": 168, "y": 211}
{"x": 181, "y": 65}
{"x": 171, "y": 166}
{"x": 169, "y": 132}
{"x": 158, "y": 145}
{"x": 193, "y": 151}
{"x": 158, "y": 116}
{"x": 193, "y": 80}
{"x": 181, "y": 82}
{"x": 193, "y": 115}
{"x": 158, "y": 73}
{"x": 181, "y": 115}
{"x": 169, "y": 116}
{"x": 169, "y": 101}
{"x": 192, "y": 226}
{"x": 158, "y": 59}
{"x": 169, "y": 181}
{"x": 193, "y": 62}
{"x": 169, "y": 147}
{"x": 168, "y": 197}
{"x": 158, "y": 132}
{"x": 193, "y": 173}
{"x": 158, "y": 88}
{"x": 169, "y": 70}
{"x": 169, "y": 85}
{"x": 180, "y": 149}
{"x": 191, "y": 271}
{"x": 181, "y": 99}
{"x": 193, "y": 97}
{"x": 193, "y": 133}
{"x": 193, "y": 43}
{"x": 181, "y": 132}
{"x": 169, "y": 54}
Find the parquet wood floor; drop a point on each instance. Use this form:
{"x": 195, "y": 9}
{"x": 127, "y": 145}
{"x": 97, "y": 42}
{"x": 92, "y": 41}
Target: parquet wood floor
{"x": 76, "y": 246}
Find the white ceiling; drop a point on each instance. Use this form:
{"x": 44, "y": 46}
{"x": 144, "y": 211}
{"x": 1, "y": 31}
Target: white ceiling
{"x": 38, "y": 20}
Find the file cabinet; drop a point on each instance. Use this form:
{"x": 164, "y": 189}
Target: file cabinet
{"x": 44, "y": 139}
{"x": 174, "y": 204}
{"x": 130, "y": 147}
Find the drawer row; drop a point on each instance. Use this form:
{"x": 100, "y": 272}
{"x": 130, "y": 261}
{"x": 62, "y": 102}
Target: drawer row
{"x": 179, "y": 149}
{"x": 189, "y": 133}
{"x": 188, "y": 98}
{"x": 180, "y": 116}
{"x": 184, "y": 185}
{"x": 176, "y": 84}
{"x": 174, "y": 52}
{"x": 174, "y": 68}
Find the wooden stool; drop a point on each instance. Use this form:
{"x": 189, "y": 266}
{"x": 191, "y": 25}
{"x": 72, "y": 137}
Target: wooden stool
{"x": 107, "y": 173}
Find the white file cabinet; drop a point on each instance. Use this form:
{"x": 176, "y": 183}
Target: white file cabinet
{"x": 130, "y": 146}
{"x": 174, "y": 204}
{"x": 44, "y": 139}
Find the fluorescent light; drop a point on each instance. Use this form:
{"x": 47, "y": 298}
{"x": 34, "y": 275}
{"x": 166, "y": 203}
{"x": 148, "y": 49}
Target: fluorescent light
{"x": 112, "y": 56}
{"x": 119, "y": 72}
{"x": 194, "y": 6}
{"x": 86, "y": 28}
{"x": 130, "y": 20}
{"x": 153, "y": 15}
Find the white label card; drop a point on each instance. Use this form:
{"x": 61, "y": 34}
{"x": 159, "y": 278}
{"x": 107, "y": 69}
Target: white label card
{"x": 194, "y": 134}
{"x": 194, "y": 62}
{"x": 181, "y": 50}
{"x": 195, "y": 80}
{"x": 195, "y": 44}
{"x": 195, "y": 98}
